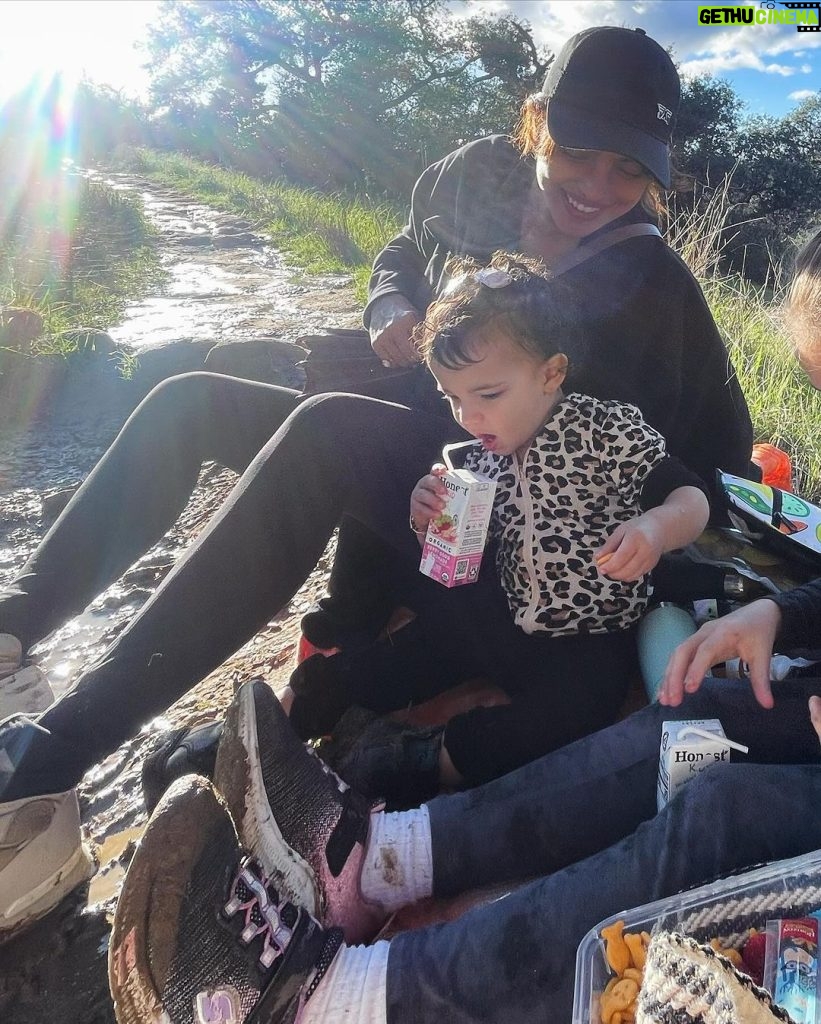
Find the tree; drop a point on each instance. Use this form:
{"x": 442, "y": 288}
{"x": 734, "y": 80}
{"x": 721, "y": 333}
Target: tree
{"x": 340, "y": 91}
{"x": 772, "y": 164}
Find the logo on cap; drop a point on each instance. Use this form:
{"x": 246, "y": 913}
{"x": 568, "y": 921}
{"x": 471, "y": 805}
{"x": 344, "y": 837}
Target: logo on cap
{"x": 664, "y": 113}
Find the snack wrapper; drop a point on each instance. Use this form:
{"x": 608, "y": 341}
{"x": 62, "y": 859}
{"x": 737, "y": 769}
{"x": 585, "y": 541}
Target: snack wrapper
{"x": 791, "y": 967}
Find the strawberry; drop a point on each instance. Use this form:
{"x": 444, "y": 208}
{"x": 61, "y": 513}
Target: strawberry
{"x": 753, "y": 956}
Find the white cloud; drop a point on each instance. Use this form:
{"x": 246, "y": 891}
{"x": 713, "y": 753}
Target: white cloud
{"x": 698, "y": 48}
{"x": 769, "y": 53}
{"x": 801, "y": 94}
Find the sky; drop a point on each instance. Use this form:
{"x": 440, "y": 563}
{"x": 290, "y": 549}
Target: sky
{"x": 771, "y": 67}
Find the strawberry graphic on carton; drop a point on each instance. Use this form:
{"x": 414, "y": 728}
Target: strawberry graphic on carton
{"x": 452, "y": 553}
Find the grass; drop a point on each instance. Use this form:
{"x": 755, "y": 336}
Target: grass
{"x": 80, "y": 266}
{"x": 336, "y": 233}
{"x": 783, "y": 405}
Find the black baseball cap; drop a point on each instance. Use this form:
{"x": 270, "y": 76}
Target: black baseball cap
{"x": 615, "y": 89}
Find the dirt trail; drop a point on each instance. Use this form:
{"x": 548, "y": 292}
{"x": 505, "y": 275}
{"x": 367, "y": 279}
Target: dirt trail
{"x": 224, "y": 285}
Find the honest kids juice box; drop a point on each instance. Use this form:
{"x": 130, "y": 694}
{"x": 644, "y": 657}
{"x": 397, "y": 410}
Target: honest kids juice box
{"x": 687, "y": 749}
{"x": 455, "y": 540}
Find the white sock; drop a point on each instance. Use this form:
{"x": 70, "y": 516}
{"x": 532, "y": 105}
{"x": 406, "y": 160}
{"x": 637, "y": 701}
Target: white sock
{"x": 353, "y": 990}
{"x": 397, "y": 868}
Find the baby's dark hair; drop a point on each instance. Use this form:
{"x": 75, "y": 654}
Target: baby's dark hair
{"x": 513, "y": 291}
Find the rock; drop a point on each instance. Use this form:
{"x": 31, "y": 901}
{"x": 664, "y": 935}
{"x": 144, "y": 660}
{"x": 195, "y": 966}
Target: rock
{"x": 271, "y": 362}
{"x": 29, "y": 386}
{"x": 54, "y": 501}
{"x": 19, "y": 327}
{"x": 232, "y": 226}
{"x": 236, "y": 240}
{"x": 89, "y": 340}
{"x": 188, "y": 238}
{"x": 11, "y": 655}
{"x": 155, "y": 364}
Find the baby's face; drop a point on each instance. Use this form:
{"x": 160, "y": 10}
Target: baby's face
{"x": 505, "y": 397}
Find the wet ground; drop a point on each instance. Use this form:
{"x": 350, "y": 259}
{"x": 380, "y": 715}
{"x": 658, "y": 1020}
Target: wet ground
{"x": 224, "y": 284}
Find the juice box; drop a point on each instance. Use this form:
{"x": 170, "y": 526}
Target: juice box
{"x": 452, "y": 552}
{"x": 687, "y": 749}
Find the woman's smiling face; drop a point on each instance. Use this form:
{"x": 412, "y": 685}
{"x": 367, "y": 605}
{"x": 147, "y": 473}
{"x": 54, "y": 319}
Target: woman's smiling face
{"x": 586, "y": 189}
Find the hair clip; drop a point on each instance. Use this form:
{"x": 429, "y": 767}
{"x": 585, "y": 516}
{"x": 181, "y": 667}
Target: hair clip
{"x": 493, "y": 277}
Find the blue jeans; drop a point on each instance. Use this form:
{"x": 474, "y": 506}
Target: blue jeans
{"x": 582, "y": 823}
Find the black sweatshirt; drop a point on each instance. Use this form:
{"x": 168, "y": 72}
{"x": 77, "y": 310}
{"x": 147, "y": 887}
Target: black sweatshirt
{"x": 800, "y": 618}
{"x": 652, "y": 340}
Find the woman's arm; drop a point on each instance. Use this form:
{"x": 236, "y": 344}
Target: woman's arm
{"x": 750, "y": 633}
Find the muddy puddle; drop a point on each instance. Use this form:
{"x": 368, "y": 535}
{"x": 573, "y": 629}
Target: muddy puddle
{"x": 224, "y": 283}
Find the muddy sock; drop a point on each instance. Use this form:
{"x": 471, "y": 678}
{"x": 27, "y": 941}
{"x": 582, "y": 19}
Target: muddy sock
{"x": 354, "y": 989}
{"x": 397, "y": 868}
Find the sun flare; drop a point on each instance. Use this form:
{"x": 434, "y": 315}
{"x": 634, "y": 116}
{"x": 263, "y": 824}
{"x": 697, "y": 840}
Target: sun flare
{"x": 41, "y": 39}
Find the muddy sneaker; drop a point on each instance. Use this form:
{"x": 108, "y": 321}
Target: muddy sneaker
{"x": 306, "y": 827}
{"x": 178, "y": 752}
{"x": 42, "y": 858}
{"x": 11, "y": 654}
{"x": 200, "y": 934}
{"x": 26, "y": 691}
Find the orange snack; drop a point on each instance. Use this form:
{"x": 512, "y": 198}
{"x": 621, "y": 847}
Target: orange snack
{"x": 616, "y": 951}
{"x": 638, "y": 950}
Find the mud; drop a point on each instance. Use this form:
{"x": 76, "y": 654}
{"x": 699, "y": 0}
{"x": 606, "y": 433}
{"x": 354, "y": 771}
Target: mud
{"x": 225, "y": 283}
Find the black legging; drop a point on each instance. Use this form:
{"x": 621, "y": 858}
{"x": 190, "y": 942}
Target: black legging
{"x": 334, "y": 455}
{"x": 143, "y": 482}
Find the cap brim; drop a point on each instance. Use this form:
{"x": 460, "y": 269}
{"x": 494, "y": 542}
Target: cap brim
{"x": 578, "y": 130}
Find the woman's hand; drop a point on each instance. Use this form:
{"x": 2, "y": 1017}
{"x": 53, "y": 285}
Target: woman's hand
{"x": 428, "y": 498}
{"x": 748, "y": 633}
{"x": 392, "y": 320}
{"x": 632, "y": 549}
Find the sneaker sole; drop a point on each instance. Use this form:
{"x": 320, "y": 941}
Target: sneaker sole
{"x": 48, "y": 894}
{"x": 244, "y": 792}
{"x": 171, "y": 845}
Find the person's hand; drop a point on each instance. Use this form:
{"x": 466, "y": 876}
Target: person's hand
{"x": 393, "y": 343}
{"x": 748, "y": 633}
{"x": 428, "y": 498}
{"x": 632, "y": 549}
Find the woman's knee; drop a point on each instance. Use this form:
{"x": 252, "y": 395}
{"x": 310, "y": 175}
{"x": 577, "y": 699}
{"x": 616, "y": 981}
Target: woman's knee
{"x": 179, "y": 398}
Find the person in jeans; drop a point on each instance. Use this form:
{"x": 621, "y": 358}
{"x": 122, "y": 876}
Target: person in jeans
{"x": 289, "y": 863}
{"x": 589, "y": 160}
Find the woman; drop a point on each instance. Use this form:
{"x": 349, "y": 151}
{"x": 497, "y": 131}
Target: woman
{"x": 593, "y": 154}
{"x": 548, "y": 827}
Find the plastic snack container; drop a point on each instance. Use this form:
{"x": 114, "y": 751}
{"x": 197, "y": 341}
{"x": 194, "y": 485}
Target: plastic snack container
{"x": 726, "y": 910}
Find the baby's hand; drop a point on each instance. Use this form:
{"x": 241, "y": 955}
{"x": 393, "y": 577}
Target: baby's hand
{"x": 428, "y": 498}
{"x": 631, "y": 550}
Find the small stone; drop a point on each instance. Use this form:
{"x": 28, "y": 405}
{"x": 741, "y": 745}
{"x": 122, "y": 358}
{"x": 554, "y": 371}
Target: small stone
{"x": 11, "y": 654}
